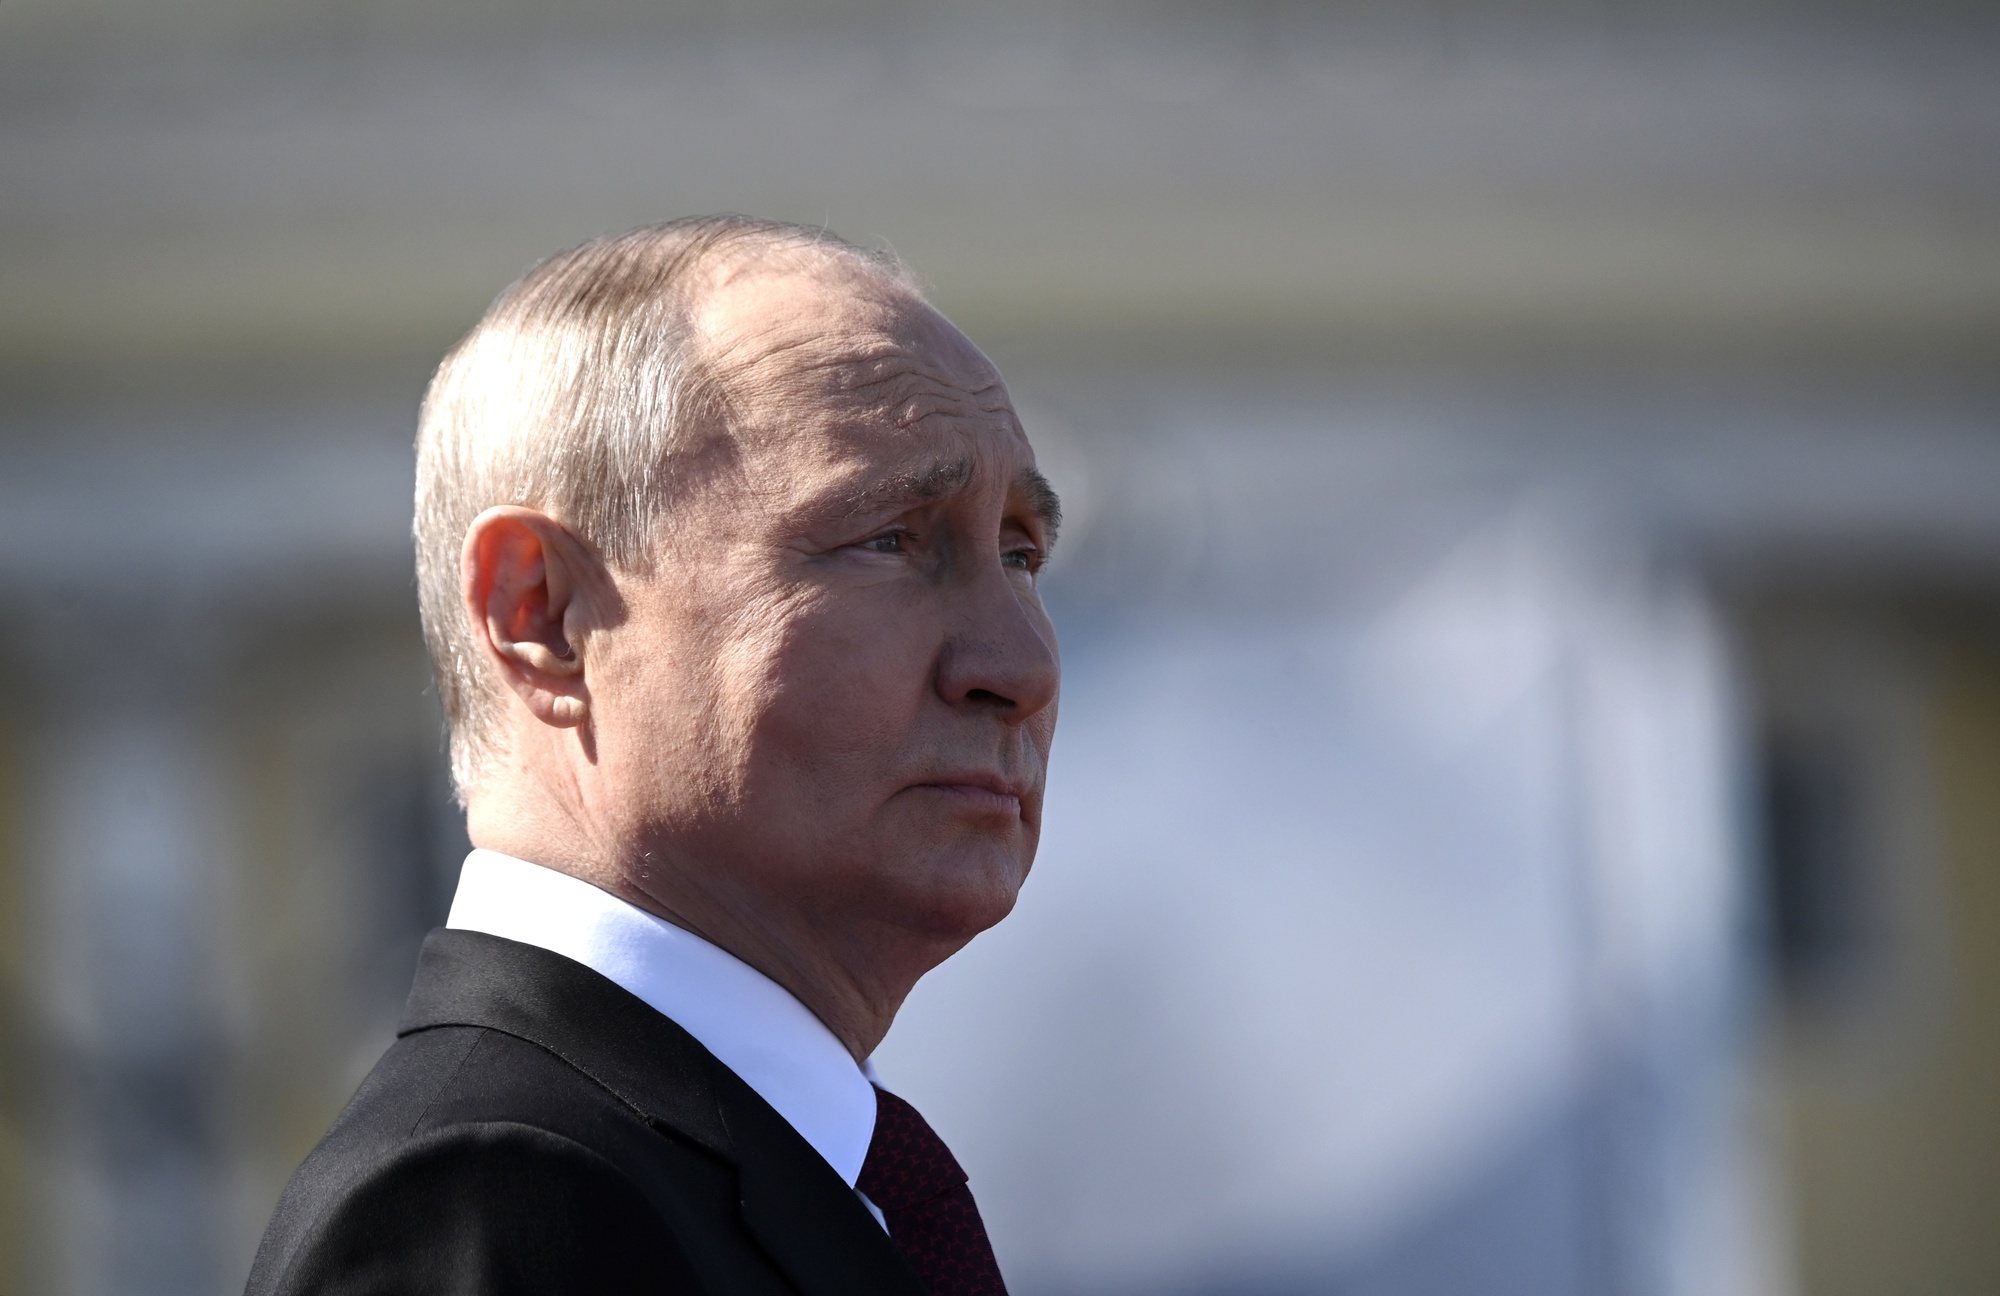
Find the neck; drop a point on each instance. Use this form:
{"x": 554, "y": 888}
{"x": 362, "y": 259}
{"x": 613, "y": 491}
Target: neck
{"x": 856, "y": 998}
{"x": 853, "y": 981}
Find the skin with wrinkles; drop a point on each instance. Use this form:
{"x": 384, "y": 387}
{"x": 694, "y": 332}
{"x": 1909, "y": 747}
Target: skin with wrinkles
{"x": 816, "y": 731}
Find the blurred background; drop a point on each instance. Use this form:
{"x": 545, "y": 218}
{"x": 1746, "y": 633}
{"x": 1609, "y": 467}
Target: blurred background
{"x": 1527, "y": 811}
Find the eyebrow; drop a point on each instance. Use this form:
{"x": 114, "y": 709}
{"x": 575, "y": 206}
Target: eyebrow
{"x": 1042, "y": 501}
{"x": 934, "y": 481}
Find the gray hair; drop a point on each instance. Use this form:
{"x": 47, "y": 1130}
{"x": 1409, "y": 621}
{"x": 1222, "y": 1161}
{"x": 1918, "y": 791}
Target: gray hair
{"x": 571, "y": 395}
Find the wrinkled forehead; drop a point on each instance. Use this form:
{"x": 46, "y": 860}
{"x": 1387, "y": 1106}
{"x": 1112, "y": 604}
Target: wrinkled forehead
{"x": 834, "y": 344}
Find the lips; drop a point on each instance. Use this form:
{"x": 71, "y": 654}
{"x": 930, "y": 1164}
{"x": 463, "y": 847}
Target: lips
{"x": 979, "y": 792}
{"x": 995, "y": 783}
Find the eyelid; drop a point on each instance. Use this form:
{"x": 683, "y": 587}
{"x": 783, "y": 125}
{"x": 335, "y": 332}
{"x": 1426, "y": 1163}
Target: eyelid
{"x": 1030, "y": 531}
{"x": 1037, "y": 556}
{"x": 898, "y": 530}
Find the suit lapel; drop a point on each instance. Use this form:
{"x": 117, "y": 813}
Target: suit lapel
{"x": 806, "y": 1218}
{"x": 799, "y": 1211}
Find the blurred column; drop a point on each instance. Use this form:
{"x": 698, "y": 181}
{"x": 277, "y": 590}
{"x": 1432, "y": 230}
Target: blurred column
{"x": 128, "y": 819}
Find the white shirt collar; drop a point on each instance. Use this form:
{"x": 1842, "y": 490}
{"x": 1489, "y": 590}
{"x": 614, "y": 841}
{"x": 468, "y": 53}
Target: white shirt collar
{"x": 749, "y": 1022}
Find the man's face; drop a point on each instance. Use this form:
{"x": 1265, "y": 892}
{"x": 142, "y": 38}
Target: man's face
{"x": 832, "y": 702}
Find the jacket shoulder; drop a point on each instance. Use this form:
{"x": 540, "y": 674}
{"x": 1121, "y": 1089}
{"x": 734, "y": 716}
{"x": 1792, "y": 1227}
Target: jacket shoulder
{"x": 494, "y": 1207}
{"x": 474, "y": 1161}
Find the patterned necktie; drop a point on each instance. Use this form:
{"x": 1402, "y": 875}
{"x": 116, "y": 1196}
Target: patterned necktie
{"x": 912, "y": 1176}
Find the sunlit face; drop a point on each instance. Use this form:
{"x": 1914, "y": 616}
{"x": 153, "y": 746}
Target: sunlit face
{"x": 832, "y": 703}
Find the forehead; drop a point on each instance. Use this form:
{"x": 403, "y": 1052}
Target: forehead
{"x": 830, "y": 363}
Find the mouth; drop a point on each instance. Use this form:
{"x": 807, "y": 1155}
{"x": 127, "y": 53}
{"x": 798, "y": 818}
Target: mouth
{"x": 978, "y": 793}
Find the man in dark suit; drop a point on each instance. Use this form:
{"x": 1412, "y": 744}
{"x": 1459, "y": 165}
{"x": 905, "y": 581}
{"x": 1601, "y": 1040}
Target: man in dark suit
{"x": 727, "y": 554}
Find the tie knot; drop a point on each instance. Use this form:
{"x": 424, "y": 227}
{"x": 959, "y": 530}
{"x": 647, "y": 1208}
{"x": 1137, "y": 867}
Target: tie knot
{"x": 907, "y": 1163}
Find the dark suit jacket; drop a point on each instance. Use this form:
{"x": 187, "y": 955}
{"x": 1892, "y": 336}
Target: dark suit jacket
{"x": 535, "y": 1128}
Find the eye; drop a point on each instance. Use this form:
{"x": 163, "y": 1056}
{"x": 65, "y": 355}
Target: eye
{"x": 894, "y": 541}
{"x": 1028, "y": 558}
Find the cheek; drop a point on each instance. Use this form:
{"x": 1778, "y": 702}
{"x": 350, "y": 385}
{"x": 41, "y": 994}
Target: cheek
{"x": 1042, "y": 729}
{"x": 664, "y": 694}
{"x": 838, "y": 688}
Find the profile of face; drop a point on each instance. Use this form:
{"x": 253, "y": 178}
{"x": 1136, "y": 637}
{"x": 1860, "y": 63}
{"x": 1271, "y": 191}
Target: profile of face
{"x": 831, "y": 702}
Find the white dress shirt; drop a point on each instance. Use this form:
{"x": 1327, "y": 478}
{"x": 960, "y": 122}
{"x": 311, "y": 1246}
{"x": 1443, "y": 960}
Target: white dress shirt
{"x": 749, "y": 1022}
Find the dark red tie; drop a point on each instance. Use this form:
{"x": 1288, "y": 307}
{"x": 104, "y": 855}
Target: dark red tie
{"x": 912, "y": 1176}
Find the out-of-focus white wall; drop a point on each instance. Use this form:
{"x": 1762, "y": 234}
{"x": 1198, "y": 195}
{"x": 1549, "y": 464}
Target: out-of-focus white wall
{"x": 1375, "y": 949}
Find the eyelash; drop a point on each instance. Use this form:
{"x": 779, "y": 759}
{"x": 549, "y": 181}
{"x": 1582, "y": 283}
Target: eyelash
{"x": 1032, "y": 557}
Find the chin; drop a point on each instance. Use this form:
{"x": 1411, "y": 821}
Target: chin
{"x": 956, "y": 901}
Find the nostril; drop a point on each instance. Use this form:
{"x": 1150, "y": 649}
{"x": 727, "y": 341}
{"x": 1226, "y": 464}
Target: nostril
{"x": 987, "y": 695}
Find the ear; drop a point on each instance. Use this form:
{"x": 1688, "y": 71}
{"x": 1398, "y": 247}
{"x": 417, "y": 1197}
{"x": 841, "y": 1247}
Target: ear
{"x": 522, "y": 573}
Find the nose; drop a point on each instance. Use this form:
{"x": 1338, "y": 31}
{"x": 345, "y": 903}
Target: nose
{"x": 1000, "y": 653}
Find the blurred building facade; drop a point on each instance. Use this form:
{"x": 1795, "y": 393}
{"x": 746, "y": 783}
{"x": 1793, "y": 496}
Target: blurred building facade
{"x": 1523, "y": 819}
